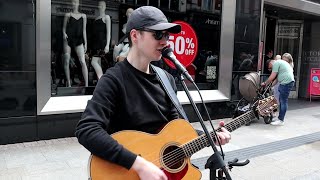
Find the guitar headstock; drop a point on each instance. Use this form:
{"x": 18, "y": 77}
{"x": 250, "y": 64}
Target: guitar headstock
{"x": 267, "y": 105}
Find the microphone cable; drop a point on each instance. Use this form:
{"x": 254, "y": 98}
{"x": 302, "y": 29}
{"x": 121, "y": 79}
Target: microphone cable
{"x": 165, "y": 51}
{"x": 214, "y": 131}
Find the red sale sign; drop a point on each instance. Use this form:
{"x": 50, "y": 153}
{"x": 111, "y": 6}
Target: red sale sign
{"x": 183, "y": 44}
{"x": 315, "y": 81}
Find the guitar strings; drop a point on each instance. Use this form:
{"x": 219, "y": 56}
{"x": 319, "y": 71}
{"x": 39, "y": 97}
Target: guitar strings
{"x": 231, "y": 124}
{"x": 202, "y": 140}
{"x": 188, "y": 148}
{"x": 173, "y": 160}
{"x": 172, "y": 157}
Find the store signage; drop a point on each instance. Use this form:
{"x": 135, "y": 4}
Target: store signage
{"x": 315, "y": 81}
{"x": 212, "y": 22}
{"x": 184, "y": 44}
{"x": 289, "y": 30}
{"x": 311, "y": 57}
{"x": 61, "y": 9}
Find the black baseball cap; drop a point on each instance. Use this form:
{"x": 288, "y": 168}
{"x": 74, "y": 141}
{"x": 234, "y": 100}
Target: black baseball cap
{"x": 150, "y": 17}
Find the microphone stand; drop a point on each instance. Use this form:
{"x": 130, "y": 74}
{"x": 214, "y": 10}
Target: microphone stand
{"x": 215, "y": 161}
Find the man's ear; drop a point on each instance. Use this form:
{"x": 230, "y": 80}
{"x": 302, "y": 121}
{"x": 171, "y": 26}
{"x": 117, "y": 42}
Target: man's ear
{"x": 134, "y": 35}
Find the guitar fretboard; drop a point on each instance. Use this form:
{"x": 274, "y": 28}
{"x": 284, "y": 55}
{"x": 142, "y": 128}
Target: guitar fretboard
{"x": 202, "y": 141}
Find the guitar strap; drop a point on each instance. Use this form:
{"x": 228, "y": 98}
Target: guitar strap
{"x": 163, "y": 78}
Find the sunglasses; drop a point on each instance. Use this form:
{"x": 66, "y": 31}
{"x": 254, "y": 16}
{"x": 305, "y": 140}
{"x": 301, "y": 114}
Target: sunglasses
{"x": 158, "y": 35}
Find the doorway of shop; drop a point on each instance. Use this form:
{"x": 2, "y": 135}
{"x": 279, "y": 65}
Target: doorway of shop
{"x": 283, "y": 36}
{"x": 288, "y": 39}
{"x": 269, "y": 28}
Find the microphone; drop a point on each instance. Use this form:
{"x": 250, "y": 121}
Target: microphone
{"x": 167, "y": 52}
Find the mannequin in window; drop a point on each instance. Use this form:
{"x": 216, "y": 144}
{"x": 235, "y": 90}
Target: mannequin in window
{"x": 101, "y": 38}
{"x": 74, "y": 36}
{"x": 121, "y": 50}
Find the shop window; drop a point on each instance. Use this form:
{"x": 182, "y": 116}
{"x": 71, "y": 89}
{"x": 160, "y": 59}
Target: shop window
{"x": 81, "y": 44}
{"x": 246, "y": 42}
{"x": 81, "y": 50}
{"x": 17, "y": 59}
{"x": 206, "y": 63}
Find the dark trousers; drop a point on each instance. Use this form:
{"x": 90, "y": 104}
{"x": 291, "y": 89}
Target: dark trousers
{"x": 284, "y": 91}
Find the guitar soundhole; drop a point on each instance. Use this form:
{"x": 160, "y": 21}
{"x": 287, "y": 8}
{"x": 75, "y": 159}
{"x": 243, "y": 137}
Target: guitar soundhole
{"x": 173, "y": 157}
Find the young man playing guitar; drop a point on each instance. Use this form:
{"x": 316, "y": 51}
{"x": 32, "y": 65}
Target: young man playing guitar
{"x": 130, "y": 97}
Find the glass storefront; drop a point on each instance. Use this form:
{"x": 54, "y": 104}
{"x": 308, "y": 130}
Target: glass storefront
{"x": 44, "y": 86}
{"x": 246, "y": 42}
{"x": 73, "y": 58}
{"x": 310, "y": 57}
{"x": 47, "y": 73}
{"x": 288, "y": 39}
{"x": 17, "y": 59}
{"x": 87, "y": 39}
{"x": 296, "y": 32}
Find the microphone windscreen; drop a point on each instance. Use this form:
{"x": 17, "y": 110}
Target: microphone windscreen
{"x": 166, "y": 51}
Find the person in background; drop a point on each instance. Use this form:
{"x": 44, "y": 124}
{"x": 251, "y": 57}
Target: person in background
{"x": 130, "y": 97}
{"x": 277, "y": 57}
{"x": 275, "y": 85}
{"x": 287, "y": 57}
{"x": 283, "y": 72}
{"x": 268, "y": 56}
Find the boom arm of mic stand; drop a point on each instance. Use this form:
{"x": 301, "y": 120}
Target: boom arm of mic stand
{"x": 210, "y": 140}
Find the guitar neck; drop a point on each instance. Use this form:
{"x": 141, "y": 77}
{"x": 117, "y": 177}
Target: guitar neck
{"x": 202, "y": 141}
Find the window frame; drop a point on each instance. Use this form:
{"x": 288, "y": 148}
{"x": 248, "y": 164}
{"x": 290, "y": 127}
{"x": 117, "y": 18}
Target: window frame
{"x": 73, "y": 104}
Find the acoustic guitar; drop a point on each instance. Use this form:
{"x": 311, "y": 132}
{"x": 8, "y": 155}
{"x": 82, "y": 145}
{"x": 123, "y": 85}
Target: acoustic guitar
{"x": 170, "y": 149}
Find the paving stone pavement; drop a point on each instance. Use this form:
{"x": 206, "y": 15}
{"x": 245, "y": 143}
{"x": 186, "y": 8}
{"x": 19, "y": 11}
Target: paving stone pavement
{"x": 65, "y": 159}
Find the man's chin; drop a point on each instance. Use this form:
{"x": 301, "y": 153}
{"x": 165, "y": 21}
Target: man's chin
{"x": 157, "y": 59}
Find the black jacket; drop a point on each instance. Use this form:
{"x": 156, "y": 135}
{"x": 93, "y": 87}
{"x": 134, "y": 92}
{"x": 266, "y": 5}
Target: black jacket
{"x": 124, "y": 99}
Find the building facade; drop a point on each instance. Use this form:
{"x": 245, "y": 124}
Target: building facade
{"x": 50, "y": 62}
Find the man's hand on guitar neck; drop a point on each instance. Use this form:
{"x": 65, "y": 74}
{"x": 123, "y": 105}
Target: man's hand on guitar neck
{"x": 224, "y": 135}
{"x": 147, "y": 170}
